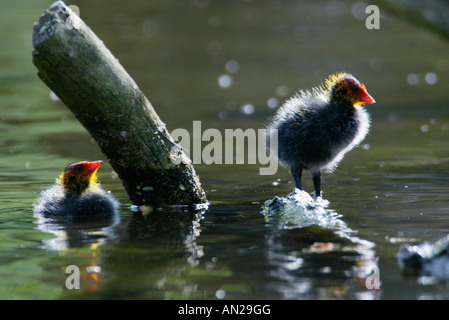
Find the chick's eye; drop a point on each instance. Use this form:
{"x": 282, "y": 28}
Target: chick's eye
{"x": 355, "y": 88}
{"x": 78, "y": 167}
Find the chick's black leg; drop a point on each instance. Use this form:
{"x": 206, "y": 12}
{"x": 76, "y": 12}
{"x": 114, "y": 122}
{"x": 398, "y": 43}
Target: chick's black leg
{"x": 296, "y": 171}
{"x": 316, "y": 177}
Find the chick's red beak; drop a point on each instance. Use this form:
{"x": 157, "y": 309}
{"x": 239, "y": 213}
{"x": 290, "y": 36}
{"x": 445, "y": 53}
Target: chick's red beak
{"x": 93, "y": 166}
{"x": 365, "y": 97}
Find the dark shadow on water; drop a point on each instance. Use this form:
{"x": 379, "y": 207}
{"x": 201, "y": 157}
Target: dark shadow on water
{"x": 148, "y": 257}
{"x": 174, "y": 232}
{"x": 139, "y": 252}
{"x": 311, "y": 247}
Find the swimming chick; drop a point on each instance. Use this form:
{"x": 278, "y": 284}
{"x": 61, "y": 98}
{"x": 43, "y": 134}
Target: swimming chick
{"x": 317, "y": 128}
{"x": 77, "y": 192}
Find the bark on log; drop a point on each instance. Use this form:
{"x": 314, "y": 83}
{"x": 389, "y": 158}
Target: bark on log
{"x": 83, "y": 73}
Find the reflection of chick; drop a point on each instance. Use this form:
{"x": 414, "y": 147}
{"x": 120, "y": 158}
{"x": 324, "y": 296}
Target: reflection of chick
{"x": 77, "y": 192}
{"x": 317, "y": 128}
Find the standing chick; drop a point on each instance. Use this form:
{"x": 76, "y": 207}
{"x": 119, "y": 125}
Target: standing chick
{"x": 317, "y": 128}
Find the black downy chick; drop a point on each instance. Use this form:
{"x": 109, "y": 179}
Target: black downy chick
{"x": 317, "y": 128}
{"x": 76, "y": 193}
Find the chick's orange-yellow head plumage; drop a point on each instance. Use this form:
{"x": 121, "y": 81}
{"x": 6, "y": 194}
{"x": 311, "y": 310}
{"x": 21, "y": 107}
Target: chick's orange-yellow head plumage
{"x": 345, "y": 88}
{"x": 80, "y": 177}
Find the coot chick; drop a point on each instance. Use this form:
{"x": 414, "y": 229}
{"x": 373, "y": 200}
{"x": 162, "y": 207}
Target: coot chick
{"x": 316, "y": 128}
{"x": 77, "y": 193}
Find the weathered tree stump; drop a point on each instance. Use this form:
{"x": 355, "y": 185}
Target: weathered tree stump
{"x": 83, "y": 73}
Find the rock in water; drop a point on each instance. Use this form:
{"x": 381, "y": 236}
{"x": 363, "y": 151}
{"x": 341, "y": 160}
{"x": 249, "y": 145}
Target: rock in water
{"x": 299, "y": 209}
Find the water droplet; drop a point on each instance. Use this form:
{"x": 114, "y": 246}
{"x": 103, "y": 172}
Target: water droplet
{"x": 223, "y": 115}
{"x": 150, "y": 28}
{"x": 201, "y": 3}
{"x": 224, "y": 81}
{"x": 214, "y": 21}
{"x": 424, "y": 128}
{"x": 220, "y": 294}
{"x": 272, "y": 103}
{"x": 431, "y": 78}
{"x": 358, "y": 10}
{"x": 282, "y": 91}
{"x": 392, "y": 118}
{"x": 215, "y": 48}
{"x": 232, "y": 66}
{"x": 413, "y": 79}
{"x": 247, "y": 108}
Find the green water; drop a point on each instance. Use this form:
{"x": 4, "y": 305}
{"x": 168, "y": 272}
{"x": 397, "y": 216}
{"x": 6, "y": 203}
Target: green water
{"x": 393, "y": 190}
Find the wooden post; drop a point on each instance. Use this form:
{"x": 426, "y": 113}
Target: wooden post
{"x": 83, "y": 73}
